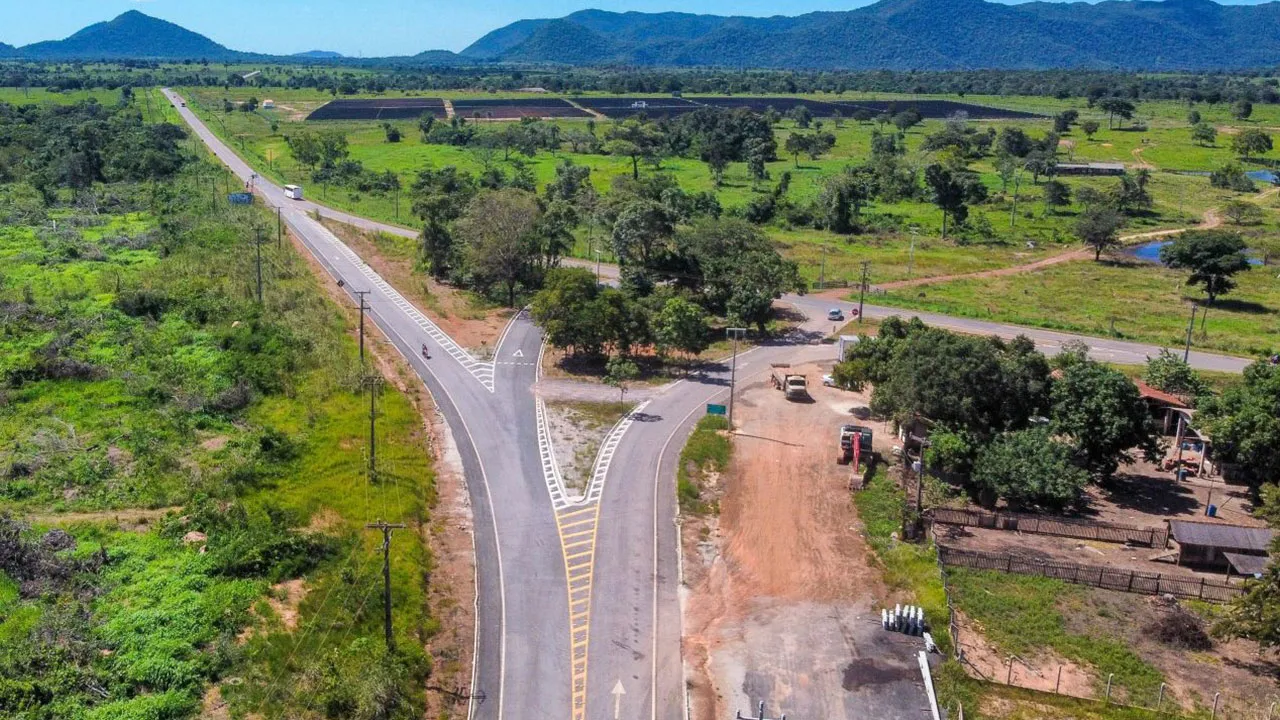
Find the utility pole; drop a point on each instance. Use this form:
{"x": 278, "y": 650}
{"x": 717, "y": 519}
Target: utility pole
{"x": 862, "y": 295}
{"x": 1191, "y": 327}
{"x": 735, "y": 333}
{"x": 257, "y": 242}
{"x": 360, "y": 294}
{"x": 822, "y": 274}
{"x": 279, "y": 229}
{"x": 759, "y": 716}
{"x": 386, "y": 529}
{"x": 911, "y": 255}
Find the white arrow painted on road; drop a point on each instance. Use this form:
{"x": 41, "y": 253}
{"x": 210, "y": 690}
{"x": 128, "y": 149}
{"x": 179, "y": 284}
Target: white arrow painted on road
{"x": 618, "y": 692}
{"x": 518, "y": 353}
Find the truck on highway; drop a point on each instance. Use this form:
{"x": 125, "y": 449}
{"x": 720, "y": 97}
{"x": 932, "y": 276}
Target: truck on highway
{"x": 794, "y": 385}
{"x": 293, "y": 192}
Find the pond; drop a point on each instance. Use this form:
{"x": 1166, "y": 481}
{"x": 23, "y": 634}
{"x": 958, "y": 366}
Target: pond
{"x": 1265, "y": 176}
{"x": 1150, "y": 252}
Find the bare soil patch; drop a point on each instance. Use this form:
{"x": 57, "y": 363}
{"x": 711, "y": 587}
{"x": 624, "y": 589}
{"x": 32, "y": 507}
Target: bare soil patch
{"x": 458, "y": 314}
{"x": 783, "y": 597}
{"x": 577, "y": 427}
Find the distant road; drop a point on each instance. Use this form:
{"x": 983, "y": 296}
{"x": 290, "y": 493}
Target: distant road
{"x": 1048, "y": 341}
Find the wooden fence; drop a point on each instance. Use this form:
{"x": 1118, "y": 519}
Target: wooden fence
{"x": 1063, "y": 527}
{"x": 1095, "y": 575}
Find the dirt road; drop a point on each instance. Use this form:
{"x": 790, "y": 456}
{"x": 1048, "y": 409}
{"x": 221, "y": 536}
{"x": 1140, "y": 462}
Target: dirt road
{"x": 784, "y": 602}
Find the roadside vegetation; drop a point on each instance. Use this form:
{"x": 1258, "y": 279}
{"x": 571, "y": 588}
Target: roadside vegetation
{"x": 139, "y": 370}
{"x": 704, "y": 457}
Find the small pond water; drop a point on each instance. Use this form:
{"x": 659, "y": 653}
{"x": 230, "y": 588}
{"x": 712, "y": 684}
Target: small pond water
{"x": 1265, "y": 176}
{"x": 1150, "y": 252}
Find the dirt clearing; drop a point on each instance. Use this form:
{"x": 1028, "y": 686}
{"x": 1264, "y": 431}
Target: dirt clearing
{"x": 784, "y": 602}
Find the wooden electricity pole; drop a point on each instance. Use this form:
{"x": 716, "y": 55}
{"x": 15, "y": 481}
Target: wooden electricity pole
{"x": 373, "y": 383}
{"x": 862, "y": 295}
{"x": 386, "y": 529}
{"x": 257, "y": 243}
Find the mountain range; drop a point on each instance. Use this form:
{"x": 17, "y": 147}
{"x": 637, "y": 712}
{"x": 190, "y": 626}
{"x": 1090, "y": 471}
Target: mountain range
{"x": 910, "y": 35}
{"x": 889, "y": 34}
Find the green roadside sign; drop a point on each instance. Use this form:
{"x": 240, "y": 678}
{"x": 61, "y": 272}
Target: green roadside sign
{"x": 716, "y": 409}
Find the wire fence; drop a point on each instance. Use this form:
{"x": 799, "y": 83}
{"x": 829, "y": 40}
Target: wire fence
{"x": 1108, "y": 578}
{"x": 1061, "y": 527}
{"x": 1018, "y": 672}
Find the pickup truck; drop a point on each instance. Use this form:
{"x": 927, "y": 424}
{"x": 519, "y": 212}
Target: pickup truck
{"x": 794, "y": 385}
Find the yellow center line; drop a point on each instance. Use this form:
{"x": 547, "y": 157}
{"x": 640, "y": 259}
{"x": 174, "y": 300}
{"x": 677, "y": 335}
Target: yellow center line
{"x": 579, "y": 568}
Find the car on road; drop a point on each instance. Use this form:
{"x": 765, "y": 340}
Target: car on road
{"x": 828, "y": 381}
{"x": 835, "y": 314}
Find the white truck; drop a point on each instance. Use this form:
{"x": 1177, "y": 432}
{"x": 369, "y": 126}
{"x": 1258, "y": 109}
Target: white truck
{"x": 794, "y": 385}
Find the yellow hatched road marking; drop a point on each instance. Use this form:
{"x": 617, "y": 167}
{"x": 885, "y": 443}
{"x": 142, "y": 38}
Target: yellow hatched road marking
{"x": 579, "y": 568}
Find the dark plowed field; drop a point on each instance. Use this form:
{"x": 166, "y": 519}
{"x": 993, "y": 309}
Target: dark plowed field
{"x": 497, "y": 109}
{"x": 379, "y": 109}
{"x": 622, "y": 107}
{"x": 935, "y": 109}
{"x": 781, "y": 104}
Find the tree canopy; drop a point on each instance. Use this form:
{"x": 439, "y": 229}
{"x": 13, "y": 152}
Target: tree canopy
{"x": 1214, "y": 257}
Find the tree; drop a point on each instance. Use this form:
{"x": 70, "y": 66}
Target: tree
{"x": 1251, "y": 143}
{"x": 948, "y": 194}
{"x": 426, "y": 122}
{"x": 1115, "y": 106}
{"x": 1029, "y": 468}
{"x": 1193, "y": 117}
{"x": 1104, "y": 417}
{"x": 802, "y": 116}
{"x": 840, "y": 202}
{"x": 1056, "y": 194}
{"x": 1090, "y": 128}
{"x": 1232, "y": 177}
{"x": 640, "y": 234}
{"x": 565, "y": 308}
{"x": 1214, "y": 257}
{"x": 392, "y": 132}
{"x": 1242, "y": 212}
{"x": 1242, "y": 109}
{"x": 1203, "y": 134}
{"x": 1170, "y": 373}
{"x": 982, "y": 386}
{"x": 682, "y": 326}
{"x": 757, "y": 153}
{"x": 1244, "y": 423}
{"x": 619, "y": 373}
{"x": 796, "y": 144}
{"x": 634, "y": 138}
{"x": 439, "y": 198}
{"x": 305, "y": 147}
{"x": 906, "y": 119}
{"x": 1098, "y": 228}
{"x": 502, "y": 248}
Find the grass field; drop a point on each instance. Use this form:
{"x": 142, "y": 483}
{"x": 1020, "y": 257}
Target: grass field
{"x": 1129, "y": 300}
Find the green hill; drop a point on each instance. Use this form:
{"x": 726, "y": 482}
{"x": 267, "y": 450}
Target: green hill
{"x": 911, "y": 34}
{"x": 131, "y": 35}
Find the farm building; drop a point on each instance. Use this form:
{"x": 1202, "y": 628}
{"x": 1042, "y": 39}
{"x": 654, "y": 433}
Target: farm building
{"x": 1209, "y": 544}
{"x": 1093, "y": 168}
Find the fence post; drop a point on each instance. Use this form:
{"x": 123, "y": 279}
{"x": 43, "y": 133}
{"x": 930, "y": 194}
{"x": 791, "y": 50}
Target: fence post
{"x": 1131, "y": 574}
{"x": 1201, "y": 588}
{"x": 1058, "y": 683}
{"x": 1160, "y": 698}
{"x": 1009, "y": 678}
{"x": 1008, "y": 563}
{"x": 1109, "y": 677}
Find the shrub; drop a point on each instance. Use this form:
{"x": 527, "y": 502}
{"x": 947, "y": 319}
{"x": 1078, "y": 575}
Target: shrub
{"x": 1180, "y": 629}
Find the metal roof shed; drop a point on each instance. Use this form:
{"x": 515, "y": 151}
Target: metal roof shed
{"x": 1202, "y": 543}
{"x": 1246, "y": 565}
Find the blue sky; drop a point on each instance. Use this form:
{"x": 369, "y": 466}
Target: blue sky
{"x": 352, "y": 27}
